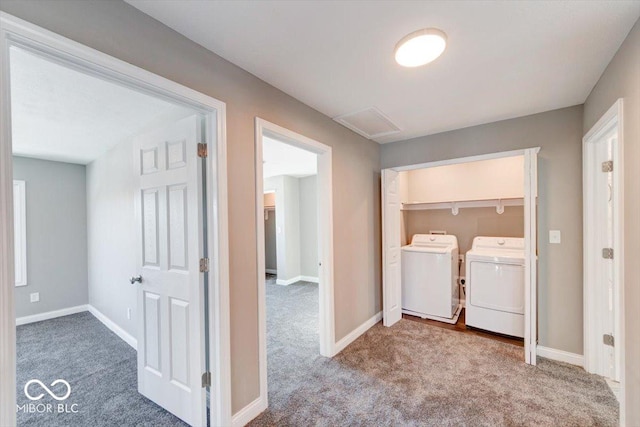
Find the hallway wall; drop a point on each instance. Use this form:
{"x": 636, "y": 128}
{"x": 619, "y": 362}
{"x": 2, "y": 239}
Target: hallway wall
{"x": 621, "y": 79}
{"x": 124, "y": 32}
{"x": 56, "y": 235}
{"x": 559, "y": 134}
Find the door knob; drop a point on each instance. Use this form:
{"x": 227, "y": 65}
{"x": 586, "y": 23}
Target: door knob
{"x": 135, "y": 279}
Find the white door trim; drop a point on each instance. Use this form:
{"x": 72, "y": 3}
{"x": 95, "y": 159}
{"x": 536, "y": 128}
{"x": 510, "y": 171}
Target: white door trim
{"x": 531, "y": 255}
{"x": 17, "y": 32}
{"x": 613, "y": 118}
{"x": 530, "y": 232}
{"x": 325, "y": 240}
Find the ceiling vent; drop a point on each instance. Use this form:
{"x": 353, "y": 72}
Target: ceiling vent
{"x": 370, "y": 123}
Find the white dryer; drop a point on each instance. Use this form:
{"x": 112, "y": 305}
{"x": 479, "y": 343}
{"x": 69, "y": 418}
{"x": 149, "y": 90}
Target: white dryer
{"x": 430, "y": 277}
{"x": 495, "y": 285}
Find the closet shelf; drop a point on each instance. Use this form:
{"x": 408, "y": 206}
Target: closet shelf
{"x": 499, "y": 204}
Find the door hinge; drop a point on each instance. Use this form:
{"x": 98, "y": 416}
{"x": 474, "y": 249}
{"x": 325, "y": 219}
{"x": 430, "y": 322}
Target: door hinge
{"x": 608, "y": 339}
{"x": 206, "y": 379}
{"x": 607, "y": 166}
{"x": 204, "y": 265}
{"x": 607, "y": 253}
{"x": 203, "y": 151}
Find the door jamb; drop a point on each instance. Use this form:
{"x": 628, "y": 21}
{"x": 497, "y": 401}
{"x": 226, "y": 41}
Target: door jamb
{"x": 17, "y": 32}
{"x": 613, "y": 118}
{"x": 530, "y": 193}
{"x": 325, "y": 241}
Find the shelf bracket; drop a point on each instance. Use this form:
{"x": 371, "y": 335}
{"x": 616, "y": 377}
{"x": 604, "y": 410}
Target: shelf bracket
{"x": 454, "y": 209}
{"x": 500, "y": 207}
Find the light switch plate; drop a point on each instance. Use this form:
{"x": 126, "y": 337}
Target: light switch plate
{"x": 34, "y": 297}
{"x": 555, "y": 236}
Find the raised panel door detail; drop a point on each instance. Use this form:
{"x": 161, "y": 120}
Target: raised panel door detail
{"x": 149, "y": 161}
{"x": 393, "y": 275}
{"x": 391, "y": 247}
{"x": 179, "y": 330}
{"x": 177, "y": 215}
{"x": 176, "y": 154}
{"x": 152, "y": 333}
{"x": 150, "y": 227}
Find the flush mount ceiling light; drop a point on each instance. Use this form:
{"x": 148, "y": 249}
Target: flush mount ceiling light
{"x": 420, "y": 47}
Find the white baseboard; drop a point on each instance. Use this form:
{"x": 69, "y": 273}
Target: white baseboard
{"x": 353, "y": 335}
{"x": 270, "y": 271}
{"x": 124, "y": 335}
{"x": 51, "y": 314}
{"x": 288, "y": 281}
{"x": 560, "y": 355}
{"x": 249, "y": 412}
{"x": 297, "y": 279}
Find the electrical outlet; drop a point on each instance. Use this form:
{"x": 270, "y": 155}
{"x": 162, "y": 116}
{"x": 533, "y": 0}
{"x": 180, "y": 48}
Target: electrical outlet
{"x": 35, "y": 297}
{"x": 129, "y": 313}
{"x": 555, "y": 236}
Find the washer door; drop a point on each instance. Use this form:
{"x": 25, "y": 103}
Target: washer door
{"x": 497, "y": 286}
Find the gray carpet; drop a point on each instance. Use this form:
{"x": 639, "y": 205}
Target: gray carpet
{"x": 99, "y": 366}
{"x": 415, "y": 375}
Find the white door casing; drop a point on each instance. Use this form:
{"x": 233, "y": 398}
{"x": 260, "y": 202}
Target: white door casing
{"x": 531, "y": 255}
{"x": 391, "y": 265}
{"x": 603, "y": 228}
{"x": 325, "y": 250}
{"x": 168, "y": 211}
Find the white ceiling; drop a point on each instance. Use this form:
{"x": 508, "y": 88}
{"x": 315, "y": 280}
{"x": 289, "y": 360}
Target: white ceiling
{"x": 504, "y": 59}
{"x": 284, "y": 159}
{"x": 65, "y": 115}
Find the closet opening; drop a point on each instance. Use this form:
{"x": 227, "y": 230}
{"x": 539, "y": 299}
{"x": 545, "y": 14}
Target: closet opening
{"x": 459, "y": 246}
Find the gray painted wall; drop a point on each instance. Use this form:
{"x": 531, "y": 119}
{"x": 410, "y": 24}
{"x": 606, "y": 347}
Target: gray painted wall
{"x": 621, "y": 79}
{"x": 126, "y": 33}
{"x": 287, "y": 224}
{"x": 288, "y": 203}
{"x": 559, "y": 134}
{"x": 469, "y": 223}
{"x": 308, "y": 226}
{"x": 111, "y": 234}
{"x": 56, "y": 235}
{"x": 293, "y": 251}
{"x": 270, "y": 257}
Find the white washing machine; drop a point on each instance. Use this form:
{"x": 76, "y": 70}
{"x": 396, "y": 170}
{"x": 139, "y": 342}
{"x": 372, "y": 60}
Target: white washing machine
{"x": 430, "y": 277}
{"x": 495, "y": 285}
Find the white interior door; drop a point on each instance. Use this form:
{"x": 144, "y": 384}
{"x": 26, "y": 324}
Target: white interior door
{"x": 603, "y": 229}
{"x": 168, "y": 203}
{"x": 391, "y": 264}
{"x": 531, "y": 254}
